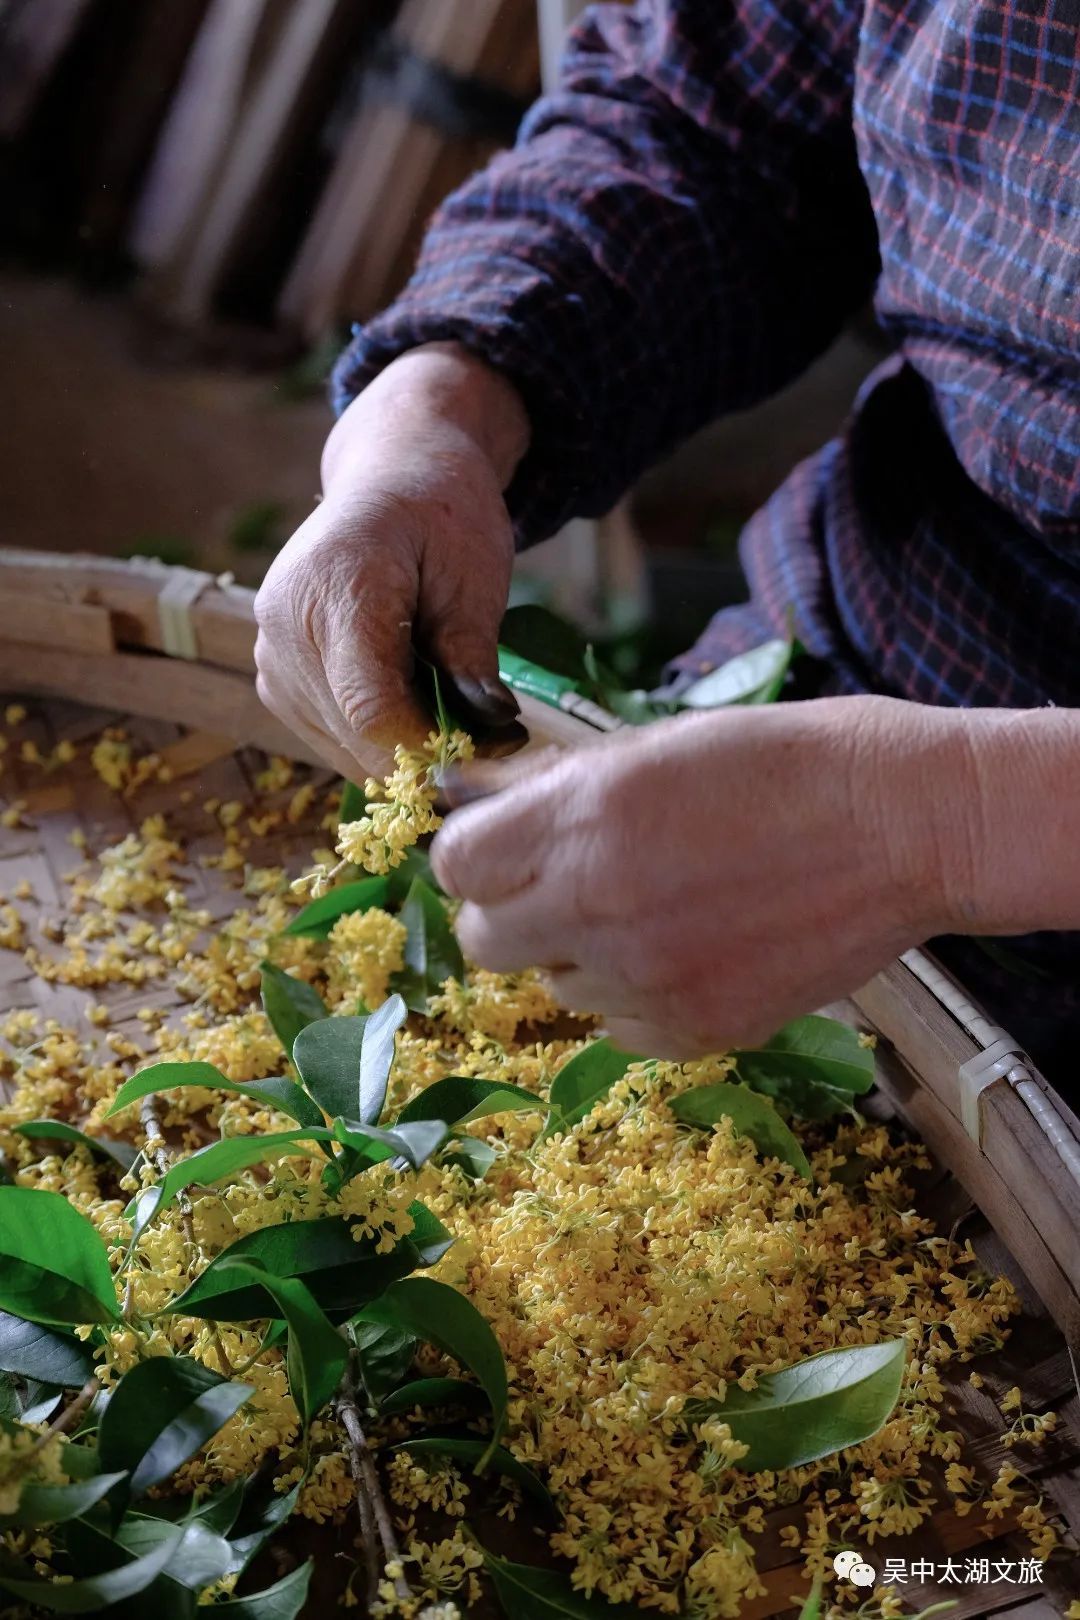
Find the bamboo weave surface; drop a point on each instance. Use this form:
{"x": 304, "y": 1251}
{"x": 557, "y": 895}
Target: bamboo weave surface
{"x": 72, "y": 799}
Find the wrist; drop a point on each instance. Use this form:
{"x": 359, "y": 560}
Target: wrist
{"x": 435, "y": 388}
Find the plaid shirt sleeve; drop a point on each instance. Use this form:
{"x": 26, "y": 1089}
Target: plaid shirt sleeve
{"x": 678, "y": 232}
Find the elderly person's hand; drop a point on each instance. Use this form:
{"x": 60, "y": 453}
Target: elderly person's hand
{"x": 699, "y": 882}
{"x": 410, "y": 548}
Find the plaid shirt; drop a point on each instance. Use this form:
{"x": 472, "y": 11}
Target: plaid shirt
{"x": 714, "y": 189}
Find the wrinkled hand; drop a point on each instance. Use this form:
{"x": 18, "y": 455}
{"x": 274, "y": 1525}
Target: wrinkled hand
{"x": 410, "y": 548}
{"x": 701, "y": 881}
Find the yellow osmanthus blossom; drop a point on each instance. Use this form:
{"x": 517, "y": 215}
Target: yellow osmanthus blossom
{"x": 628, "y": 1266}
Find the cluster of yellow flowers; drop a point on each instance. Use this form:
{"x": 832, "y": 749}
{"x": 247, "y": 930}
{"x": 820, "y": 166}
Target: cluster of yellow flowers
{"x": 628, "y": 1266}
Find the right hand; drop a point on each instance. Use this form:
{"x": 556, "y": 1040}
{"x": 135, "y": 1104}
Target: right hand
{"x": 410, "y": 547}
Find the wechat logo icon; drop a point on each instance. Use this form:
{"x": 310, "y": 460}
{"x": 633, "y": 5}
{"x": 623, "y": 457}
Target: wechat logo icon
{"x": 851, "y": 1567}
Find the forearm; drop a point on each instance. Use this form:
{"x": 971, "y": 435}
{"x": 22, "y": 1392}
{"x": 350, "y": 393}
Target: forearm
{"x": 1009, "y": 829}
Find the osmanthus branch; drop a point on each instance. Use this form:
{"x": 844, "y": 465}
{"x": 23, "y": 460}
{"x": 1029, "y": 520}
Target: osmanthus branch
{"x": 376, "y": 1525}
{"x": 66, "y": 1420}
{"x": 158, "y": 1152}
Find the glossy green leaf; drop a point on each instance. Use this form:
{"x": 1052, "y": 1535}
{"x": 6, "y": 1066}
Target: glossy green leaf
{"x": 432, "y": 953}
{"x": 282, "y": 1601}
{"x": 54, "y": 1267}
{"x": 413, "y": 1143}
{"x": 417, "y": 864}
{"x": 94, "y": 1593}
{"x": 327, "y": 1058}
{"x": 262, "y": 1511}
{"x": 202, "y": 1557}
{"x": 527, "y": 1593}
{"x": 55, "y": 1130}
{"x": 816, "y": 1049}
{"x": 385, "y": 1355}
{"x": 317, "y": 919}
{"x": 431, "y": 1392}
{"x": 377, "y": 1047}
{"x": 471, "y": 1155}
{"x": 751, "y": 1115}
{"x": 460, "y": 1100}
{"x": 755, "y": 676}
{"x": 291, "y": 1004}
{"x": 55, "y": 1504}
{"x": 474, "y": 1451}
{"x": 34, "y": 1351}
{"x": 317, "y": 1353}
{"x": 440, "y": 1315}
{"x": 341, "y": 1273}
{"x": 284, "y": 1095}
{"x": 218, "y": 1160}
{"x": 161, "y": 1413}
{"x": 40, "y": 1401}
{"x": 581, "y": 1083}
{"x": 812, "y": 1409}
{"x": 220, "y": 1509}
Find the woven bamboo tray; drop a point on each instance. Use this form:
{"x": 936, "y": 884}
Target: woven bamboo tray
{"x": 166, "y": 653}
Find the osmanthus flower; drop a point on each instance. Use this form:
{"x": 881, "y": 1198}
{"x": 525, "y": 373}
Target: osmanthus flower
{"x": 628, "y": 1266}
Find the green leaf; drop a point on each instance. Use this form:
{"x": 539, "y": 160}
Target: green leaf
{"x": 40, "y": 1401}
{"x": 417, "y": 864}
{"x": 755, "y": 676}
{"x": 353, "y": 803}
{"x": 425, "y": 1392}
{"x": 527, "y": 1593}
{"x": 581, "y": 1083}
{"x": 440, "y": 1315}
{"x": 317, "y": 919}
{"x": 202, "y": 1557}
{"x": 160, "y": 1414}
{"x": 96, "y": 1592}
{"x": 471, "y": 1156}
{"x": 341, "y": 1273}
{"x": 812, "y": 1409}
{"x": 470, "y": 1449}
{"x": 284, "y": 1095}
{"x": 385, "y": 1355}
{"x": 317, "y": 1354}
{"x": 816, "y": 1049}
{"x": 811, "y": 1609}
{"x": 55, "y": 1267}
{"x": 55, "y": 1130}
{"x": 218, "y": 1160}
{"x": 432, "y": 953}
{"x": 413, "y": 1143}
{"x": 752, "y": 1115}
{"x": 34, "y": 1351}
{"x": 535, "y": 633}
{"x": 262, "y": 1511}
{"x": 282, "y": 1601}
{"x": 56, "y": 1504}
{"x": 459, "y": 1100}
{"x": 377, "y": 1046}
{"x": 291, "y": 1004}
{"x": 327, "y": 1058}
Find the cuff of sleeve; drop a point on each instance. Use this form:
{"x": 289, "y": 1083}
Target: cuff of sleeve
{"x": 548, "y": 486}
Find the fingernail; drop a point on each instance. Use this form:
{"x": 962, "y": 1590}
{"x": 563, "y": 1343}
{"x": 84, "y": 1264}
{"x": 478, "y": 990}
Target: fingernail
{"x": 488, "y": 700}
{"x": 460, "y": 787}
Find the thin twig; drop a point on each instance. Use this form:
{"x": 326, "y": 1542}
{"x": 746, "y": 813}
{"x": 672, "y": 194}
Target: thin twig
{"x": 374, "y": 1514}
{"x": 66, "y": 1420}
{"x": 157, "y": 1150}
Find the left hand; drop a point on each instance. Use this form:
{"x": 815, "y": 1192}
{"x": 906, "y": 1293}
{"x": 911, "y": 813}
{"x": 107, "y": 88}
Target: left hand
{"x": 699, "y": 882}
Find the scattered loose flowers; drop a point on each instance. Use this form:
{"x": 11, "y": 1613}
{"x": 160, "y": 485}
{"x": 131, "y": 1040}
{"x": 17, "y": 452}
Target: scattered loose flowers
{"x": 364, "y": 1231}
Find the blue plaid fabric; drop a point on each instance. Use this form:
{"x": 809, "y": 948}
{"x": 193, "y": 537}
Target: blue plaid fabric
{"x": 714, "y": 189}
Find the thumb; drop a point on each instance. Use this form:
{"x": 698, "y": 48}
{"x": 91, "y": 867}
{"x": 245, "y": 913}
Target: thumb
{"x": 461, "y": 640}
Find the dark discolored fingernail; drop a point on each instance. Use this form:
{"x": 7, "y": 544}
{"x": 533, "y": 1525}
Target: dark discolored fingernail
{"x": 488, "y": 700}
